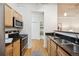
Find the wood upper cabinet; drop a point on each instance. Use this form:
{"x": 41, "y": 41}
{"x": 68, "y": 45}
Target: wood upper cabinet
{"x": 8, "y": 16}
{"x": 17, "y": 16}
{"x": 61, "y": 52}
{"x": 20, "y": 17}
{"x": 53, "y": 49}
{"x": 9, "y": 50}
{"x": 16, "y": 48}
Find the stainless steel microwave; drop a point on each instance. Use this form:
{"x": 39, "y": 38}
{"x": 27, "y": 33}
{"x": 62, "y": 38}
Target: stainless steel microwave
{"x": 17, "y": 23}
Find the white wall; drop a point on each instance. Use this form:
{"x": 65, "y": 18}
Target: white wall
{"x": 50, "y": 17}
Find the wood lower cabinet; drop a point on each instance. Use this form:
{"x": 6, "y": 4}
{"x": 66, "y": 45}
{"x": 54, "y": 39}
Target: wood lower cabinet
{"x": 16, "y": 48}
{"x": 9, "y": 50}
{"x": 48, "y": 46}
{"x": 61, "y": 52}
{"x": 8, "y": 16}
{"x": 53, "y": 49}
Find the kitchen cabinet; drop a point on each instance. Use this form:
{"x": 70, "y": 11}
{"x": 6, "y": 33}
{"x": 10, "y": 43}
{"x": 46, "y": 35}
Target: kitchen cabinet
{"x": 20, "y": 17}
{"x": 48, "y": 46}
{"x": 53, "y": 49}
{"x": 16, "y": 48}
{"x": 8, "y": 16}
{"x": 8, "y": 50}
{"x": 17, "y": 16}
{"x": 61, "y": 52}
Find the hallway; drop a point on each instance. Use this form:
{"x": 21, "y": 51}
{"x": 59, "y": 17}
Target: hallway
{"x": 37, "y": 49}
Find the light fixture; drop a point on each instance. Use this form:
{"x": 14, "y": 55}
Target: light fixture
{"x": 65, "y": 14}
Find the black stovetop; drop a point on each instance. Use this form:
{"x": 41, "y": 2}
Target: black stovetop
{"x": 16, "y": 35}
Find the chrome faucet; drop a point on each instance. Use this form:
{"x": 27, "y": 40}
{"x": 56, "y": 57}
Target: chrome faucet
{"x": 54, "y": 35}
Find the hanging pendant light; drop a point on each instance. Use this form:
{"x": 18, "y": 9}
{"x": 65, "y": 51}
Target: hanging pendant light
{"x": 65, "y": 14}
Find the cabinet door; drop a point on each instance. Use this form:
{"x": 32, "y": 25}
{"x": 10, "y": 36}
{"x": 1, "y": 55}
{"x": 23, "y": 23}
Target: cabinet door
{"x": 61, "y": 52}
{"x": 17, "y": 16}
{"x": 20, "y": 17}
{"x": 48, "y": 46}
{"x": 53, "y": 49}
{"x": 16, "y": 48}
{"x": 8, "y": 16}
{"x": 8, "y": 50}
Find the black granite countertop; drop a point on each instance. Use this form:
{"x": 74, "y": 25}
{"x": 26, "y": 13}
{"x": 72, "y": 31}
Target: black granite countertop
{"x": 16, "y": 37}
{"x": 71, "y": 48}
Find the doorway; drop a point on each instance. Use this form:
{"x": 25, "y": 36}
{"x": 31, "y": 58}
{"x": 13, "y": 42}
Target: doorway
{"x": 37, "y": 33}
{"x": 37, "y": 25}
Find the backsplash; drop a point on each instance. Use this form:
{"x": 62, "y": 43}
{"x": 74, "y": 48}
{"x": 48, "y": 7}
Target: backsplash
{"x": 12, "y": 29}
{"x": 69, "y": 23}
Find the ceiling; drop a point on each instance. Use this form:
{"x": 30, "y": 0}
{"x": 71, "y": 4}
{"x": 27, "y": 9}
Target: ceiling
{"x": 24, "y": 4}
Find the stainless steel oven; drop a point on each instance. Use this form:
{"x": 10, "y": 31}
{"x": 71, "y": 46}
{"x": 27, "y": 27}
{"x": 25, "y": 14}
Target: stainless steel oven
{"x": 17, "y": 23}
{"x": 24, "y": 43}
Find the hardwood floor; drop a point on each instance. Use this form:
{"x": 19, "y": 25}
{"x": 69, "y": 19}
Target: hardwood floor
{"x": 37, "y": 49}
{"x": 28, "y": 52}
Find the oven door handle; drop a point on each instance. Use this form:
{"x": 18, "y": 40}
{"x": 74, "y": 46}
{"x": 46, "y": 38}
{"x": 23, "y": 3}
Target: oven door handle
{"x": 24, "y": 38}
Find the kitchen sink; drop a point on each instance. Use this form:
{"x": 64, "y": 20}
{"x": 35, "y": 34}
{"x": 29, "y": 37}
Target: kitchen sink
{"x": 62, "y": 41}
{"x": 72, "y": 46}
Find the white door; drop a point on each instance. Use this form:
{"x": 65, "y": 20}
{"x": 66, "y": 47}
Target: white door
{"x": 35, "y": 31}
{"x": 35, "y": 25}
